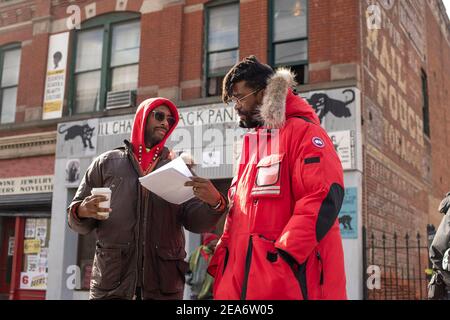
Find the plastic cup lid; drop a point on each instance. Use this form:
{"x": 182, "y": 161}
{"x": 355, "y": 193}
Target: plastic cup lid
{"x": 101, "y": 190}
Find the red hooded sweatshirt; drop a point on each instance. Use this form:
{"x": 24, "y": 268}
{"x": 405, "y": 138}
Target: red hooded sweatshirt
{"x": 147, "y": 158}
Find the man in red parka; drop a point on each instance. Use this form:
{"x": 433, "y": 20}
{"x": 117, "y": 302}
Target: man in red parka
{"x": 281, "y": 237}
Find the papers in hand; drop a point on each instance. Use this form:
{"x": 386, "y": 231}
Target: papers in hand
{"x": 168, "y": 182}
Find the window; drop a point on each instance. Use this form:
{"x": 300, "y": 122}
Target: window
{"x": 425, "y": 108}
{"x": 106, "y": 59}
{"x": 289, "y": 36}
{"x": 10, "y": 65}
{"x": 222, "y": 44}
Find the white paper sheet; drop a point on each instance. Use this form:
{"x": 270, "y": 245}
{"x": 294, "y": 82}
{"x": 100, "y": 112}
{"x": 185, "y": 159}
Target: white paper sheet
{"x": 168, "y": 182}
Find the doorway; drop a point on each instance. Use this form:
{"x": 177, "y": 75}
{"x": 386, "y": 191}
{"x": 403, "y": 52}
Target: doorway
{"x": 7, "y": 230}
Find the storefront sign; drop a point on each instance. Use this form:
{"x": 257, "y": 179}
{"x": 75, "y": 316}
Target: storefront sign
{"x": 115, "y": 127}
{"x": 56, "y": 76}
{"x": 33, "y": 281}
{"x": 31, "y": 246}
{"x": 24, "y": 185}
{"x": 207, "y": 115}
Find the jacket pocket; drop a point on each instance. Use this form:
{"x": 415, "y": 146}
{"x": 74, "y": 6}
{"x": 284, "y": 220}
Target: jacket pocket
{"x": 171, "y": 269}
{"x": 270, "y": 277}
{"x": 106, "y": 269}
{"x": 268, "y": 176}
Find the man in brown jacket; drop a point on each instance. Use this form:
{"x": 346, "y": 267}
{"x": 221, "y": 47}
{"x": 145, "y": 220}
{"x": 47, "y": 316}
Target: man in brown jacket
{"x": 140, "y": 247}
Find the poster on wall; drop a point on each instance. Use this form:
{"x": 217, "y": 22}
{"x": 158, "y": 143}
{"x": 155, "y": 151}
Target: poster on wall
{"x": 211, "y": 159}
{"x": 336, "y": 108}
{"x": 348, "y": 216}
{"x": 32, "y": 263}
{"x": 30, "y": 228}
{"x": 33, "y": 280}
{"x": 41, "y": 231}
{"x": 56, "y": 76}
{"x": 77, "y": 139}
{"x": 11, "y": 246}
{"x": 31, "y": 246}
{"x": 73, "y": 173}
{"x": 344, "y": 144}
{"x": 43, "y": 260}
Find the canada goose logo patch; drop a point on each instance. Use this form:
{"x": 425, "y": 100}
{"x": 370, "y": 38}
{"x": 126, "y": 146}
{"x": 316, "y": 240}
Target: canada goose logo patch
{"x": 318, "y": 142}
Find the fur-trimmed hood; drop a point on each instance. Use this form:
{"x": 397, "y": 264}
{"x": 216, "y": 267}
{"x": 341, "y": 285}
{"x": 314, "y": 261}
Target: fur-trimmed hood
{"x": 280, "y": 103}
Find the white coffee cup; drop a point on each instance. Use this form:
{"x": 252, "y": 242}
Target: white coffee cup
{"x": 105, "y": 204}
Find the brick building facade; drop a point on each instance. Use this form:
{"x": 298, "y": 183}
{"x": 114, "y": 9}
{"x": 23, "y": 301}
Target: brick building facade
{"x": 392, "y": 56}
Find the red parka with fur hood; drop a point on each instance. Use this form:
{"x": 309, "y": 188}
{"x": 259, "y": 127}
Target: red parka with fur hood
{"x": 282, "y": 237}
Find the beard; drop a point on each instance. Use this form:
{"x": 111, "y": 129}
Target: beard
{"x": 252, "y": 119}
{"x": 152, "y": 139}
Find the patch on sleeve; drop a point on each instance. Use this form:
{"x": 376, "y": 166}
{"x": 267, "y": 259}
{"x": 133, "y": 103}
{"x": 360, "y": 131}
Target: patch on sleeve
{"x": 318, "y": 142}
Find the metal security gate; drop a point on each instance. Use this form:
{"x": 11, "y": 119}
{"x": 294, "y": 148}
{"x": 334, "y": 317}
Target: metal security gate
{"x": 396, "y": 267}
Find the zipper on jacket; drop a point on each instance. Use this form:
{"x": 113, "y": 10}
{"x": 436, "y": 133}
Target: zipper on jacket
{"x": 248, "y": 261}
{"x": 138, "y": 245}
{"x": 321, "y": 267}
{"x": 144, "y": 234}
{"x": 138, "y": 171}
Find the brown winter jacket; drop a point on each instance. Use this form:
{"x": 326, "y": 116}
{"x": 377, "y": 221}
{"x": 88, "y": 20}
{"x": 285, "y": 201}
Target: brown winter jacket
{"x": 142, "y": 243}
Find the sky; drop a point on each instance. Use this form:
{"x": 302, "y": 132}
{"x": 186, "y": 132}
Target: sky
{"x": 447, "y": 5}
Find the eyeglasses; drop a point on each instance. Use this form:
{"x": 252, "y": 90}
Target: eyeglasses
{"x": 161, "y": 116}
{"x": 239, "y": 100}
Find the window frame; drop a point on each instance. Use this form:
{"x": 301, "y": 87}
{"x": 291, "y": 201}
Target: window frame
{"x": 107, "y": 22}
{"x": 272, "y": 43}
{"x": 206, "y": 74}
{"x": 3, "y": 49}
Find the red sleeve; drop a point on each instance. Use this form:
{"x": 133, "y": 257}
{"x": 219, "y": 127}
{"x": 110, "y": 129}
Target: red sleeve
{"x": 318, "y": 188}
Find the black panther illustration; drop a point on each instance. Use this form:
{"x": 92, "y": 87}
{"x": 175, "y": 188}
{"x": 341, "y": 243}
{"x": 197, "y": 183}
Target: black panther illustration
{"x": 84, "y": 132}
{"x": 346, "y": 220}
{"x": 323, "y": 104}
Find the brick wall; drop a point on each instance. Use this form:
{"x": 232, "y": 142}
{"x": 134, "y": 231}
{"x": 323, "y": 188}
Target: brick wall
{"x": 31, "y": 166}
{"x": 438, "y": 52}
{"x": 405, "y": 172}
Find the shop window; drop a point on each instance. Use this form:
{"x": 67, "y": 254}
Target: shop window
{"x": 35, "y": 252}
{"x": 9, "y": 75}
{"x": 222, "y": 49}
{"x": 106, "y": 60}
{"x": 289, "y": 36}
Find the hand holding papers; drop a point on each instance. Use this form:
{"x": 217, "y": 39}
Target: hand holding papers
{"x": 168, "y": 182}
